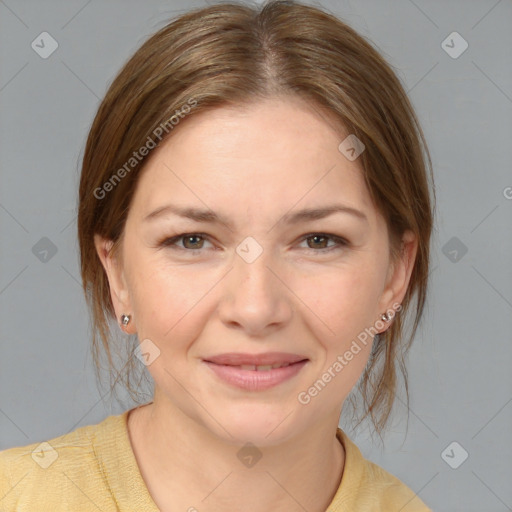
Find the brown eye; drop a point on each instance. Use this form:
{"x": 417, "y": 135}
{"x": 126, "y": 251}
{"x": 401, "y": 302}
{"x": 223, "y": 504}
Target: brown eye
{"x": 316, "y": 239}
{"x": 319, "y": 242}
{"x": 192, "y": 240}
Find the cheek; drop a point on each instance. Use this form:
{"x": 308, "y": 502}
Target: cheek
{"x": 345, "y": 304}
{"x": 169, "y": 303}
{"x": 341, "y": 301}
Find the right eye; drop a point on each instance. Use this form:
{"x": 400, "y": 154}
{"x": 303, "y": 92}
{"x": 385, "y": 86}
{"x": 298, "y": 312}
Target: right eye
{"x": 191, "y": 240}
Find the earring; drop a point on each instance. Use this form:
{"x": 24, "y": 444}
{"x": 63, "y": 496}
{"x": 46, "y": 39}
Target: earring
{"x": 385, "y": 317}
{"x": 125, "y": 319}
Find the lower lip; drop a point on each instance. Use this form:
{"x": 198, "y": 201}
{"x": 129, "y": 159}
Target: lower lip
{"x": 254, "y": 380}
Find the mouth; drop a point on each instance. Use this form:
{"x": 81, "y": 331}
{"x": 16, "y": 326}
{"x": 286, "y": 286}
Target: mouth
{"x": 255, "y": 372}
{"x": 271, "y": 359}
{"x": 261, "y": 368}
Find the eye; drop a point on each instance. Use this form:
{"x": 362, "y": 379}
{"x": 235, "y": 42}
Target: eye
{"x": 192, "y": 241}
{"x": 195, "y": 242}
{"x": 320, "y": 240}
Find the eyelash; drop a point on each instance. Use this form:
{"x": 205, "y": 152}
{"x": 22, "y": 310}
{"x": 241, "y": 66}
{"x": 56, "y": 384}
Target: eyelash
{"x": 341, "y": 242}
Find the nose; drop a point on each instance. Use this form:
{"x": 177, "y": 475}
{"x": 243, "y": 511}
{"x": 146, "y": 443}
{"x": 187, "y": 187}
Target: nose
{"x": 255, "y": 297}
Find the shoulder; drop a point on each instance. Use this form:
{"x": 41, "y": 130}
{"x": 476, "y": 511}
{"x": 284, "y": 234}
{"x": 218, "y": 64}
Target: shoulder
{"x": 367, "y": 486}
{"x": 392, "y": 491}
{"x": 60, "y": 472}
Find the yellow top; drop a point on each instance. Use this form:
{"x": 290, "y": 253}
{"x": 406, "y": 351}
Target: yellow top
{"x": 94, "y": 468}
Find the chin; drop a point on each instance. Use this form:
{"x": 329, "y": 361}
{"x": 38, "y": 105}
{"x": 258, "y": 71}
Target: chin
{"x": 260, "y": 424}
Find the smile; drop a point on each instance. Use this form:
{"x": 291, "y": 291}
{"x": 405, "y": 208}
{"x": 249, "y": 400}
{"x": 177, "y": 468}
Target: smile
{"x": 256, "y": 377}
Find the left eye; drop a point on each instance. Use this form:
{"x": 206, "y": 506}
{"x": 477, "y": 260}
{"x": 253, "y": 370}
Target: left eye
{"x": 338, "y": 241}
{"x": 191, "y": 240}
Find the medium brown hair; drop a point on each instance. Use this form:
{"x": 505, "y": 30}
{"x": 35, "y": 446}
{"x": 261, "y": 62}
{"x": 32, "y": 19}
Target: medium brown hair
{"x": 235, "y": 54}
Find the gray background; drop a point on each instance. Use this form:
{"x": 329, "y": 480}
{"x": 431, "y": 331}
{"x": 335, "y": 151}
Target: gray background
{"x": 460, "y": 364}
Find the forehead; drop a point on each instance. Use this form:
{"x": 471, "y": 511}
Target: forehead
{"x": 267, "y": 156}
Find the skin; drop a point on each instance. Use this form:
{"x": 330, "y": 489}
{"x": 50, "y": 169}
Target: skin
{"x": 253, "y": 165}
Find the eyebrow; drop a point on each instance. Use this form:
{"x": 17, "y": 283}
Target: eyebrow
{"x": 202, "y": 215}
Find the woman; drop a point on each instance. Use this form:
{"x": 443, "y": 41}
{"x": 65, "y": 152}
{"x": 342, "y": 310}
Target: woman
{"x": 254, "y": 209}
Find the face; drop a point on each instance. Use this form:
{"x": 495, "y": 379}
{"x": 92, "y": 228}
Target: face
{"x": 262, "y": 279}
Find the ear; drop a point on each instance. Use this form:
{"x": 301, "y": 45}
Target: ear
{"x": 399, "y": 275}
{"x": 117, "y": 282}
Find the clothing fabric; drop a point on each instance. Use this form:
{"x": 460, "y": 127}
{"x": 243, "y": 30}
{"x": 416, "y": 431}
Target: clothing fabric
{"x": 93, "y": 468}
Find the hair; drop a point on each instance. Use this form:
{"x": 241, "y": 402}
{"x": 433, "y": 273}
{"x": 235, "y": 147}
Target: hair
{"x": 233, "y": 54}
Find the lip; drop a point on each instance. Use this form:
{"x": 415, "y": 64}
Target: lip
{"x": 267, "y": 358}
{"x": 255, "y": 380}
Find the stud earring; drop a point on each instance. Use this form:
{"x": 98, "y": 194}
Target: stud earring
{"x": 125, "y": 319}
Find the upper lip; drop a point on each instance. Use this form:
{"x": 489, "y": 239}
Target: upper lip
{"x": 268, "y": 358}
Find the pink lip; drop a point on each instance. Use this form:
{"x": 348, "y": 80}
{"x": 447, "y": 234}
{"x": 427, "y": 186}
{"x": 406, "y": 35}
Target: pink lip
{"x": 267, "y": 358}
{"x": 255, "y": 380}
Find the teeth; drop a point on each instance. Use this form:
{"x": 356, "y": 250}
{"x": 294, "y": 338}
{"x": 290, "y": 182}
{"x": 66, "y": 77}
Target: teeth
{"x": 263, "y": 367}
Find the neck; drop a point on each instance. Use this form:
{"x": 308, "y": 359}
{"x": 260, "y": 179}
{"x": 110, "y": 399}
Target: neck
{"x": 186, "y": 467}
